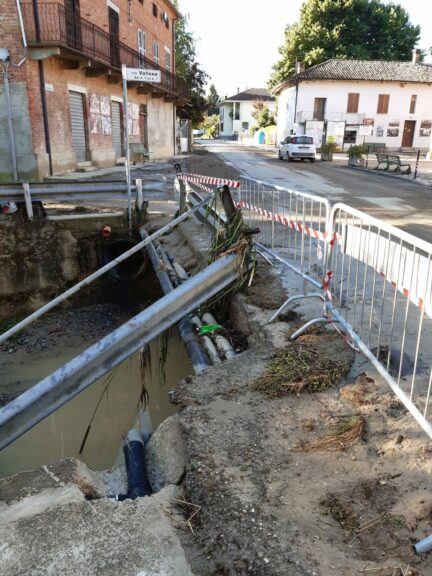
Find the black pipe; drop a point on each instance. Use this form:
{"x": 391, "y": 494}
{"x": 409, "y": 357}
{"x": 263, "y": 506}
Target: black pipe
{"x": 138, "y": 482}
{"x": 42, "y": 89}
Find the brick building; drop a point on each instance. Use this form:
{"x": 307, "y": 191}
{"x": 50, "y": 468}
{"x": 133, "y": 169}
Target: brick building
{"x": 66, "y": 97}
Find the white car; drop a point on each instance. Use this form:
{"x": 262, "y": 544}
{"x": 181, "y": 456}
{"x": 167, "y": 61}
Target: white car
{"x": 297, "y": 147}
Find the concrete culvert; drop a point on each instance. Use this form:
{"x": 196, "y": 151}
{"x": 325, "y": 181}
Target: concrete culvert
{"x": 130, "y": 269}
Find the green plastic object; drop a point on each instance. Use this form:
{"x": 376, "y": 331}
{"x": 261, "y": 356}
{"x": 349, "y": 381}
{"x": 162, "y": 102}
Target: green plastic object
{"x": 209, "y": 328}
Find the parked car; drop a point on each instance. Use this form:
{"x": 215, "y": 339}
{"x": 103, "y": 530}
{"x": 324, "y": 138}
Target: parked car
{"x": 297, "y": 147}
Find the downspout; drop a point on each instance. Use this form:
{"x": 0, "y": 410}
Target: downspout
{"x": 295, "y": 104}
{"x": 174, "y": 71}
{"x": 42, "y": 89}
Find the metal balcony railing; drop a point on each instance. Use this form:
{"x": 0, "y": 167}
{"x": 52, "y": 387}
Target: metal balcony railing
{"x": 60, "y": 27}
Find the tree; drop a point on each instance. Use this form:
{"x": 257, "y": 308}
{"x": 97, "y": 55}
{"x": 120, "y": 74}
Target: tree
{"x": 358, "y": 29}
{"x": 189, "y": 70}
{"x": 263, "y": 116}
{"x": 213, "y": 101}
{"x": 210, "y": 125}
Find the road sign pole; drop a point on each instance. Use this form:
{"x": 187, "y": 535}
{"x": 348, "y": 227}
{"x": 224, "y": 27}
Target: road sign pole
{"x": 126, "y": 145}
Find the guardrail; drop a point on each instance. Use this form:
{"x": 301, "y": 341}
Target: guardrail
{"x": 49, "y": 192}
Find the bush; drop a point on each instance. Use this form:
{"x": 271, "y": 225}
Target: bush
{"x": 329, "y": 147}
{"x": 356, "y": 151}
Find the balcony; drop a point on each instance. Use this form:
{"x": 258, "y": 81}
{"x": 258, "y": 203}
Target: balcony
{"x": 353, "y": 119}
{"x": 75, "y": 39}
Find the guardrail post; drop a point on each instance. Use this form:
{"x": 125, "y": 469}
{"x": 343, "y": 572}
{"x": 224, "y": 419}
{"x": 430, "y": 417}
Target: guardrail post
{"x": 416, "y": 165}
{"x": 139, "y": 189}
{"x": 182, "y": 184}
{"x": 28, "y": 202}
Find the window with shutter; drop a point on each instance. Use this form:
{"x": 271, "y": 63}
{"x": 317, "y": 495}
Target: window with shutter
{"x": 383, "y": 103}
{"x": 141, "y": 48}
{"x": 413, "y": 104}
{"x": 156, "y": 52}
{"x": 353, "y": 103}
{"x": 319, "y": 108}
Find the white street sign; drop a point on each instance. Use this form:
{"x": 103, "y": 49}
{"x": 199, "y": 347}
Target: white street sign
{"x": 141, "y": 75}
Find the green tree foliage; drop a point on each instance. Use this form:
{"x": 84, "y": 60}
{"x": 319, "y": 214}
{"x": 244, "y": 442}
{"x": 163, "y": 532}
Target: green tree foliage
{"x": 189, "y": 70}
{"x": 263, "y": 116}
{"x": 213, "y": 101}
{"x": 358, "y": 29}
{"x": 210, "y": 125}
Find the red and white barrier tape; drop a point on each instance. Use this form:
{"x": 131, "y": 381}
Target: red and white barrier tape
{"x": 318, "y": 235}
{"x": 198, "y": 178}
{"x": 205, "y": 188}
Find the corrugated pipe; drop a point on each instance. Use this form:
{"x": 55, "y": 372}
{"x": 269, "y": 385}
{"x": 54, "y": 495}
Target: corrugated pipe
{"x": 191, "y": 341}
{"x": 137, "y": 478}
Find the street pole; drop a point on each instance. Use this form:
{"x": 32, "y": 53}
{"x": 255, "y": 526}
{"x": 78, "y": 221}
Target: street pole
{"x": 126, "y": 144}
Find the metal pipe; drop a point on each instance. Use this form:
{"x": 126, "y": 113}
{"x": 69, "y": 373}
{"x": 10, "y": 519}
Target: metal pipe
{"x": 126, "y": 144}
{"x": 10, "y": 124}
{"x": 20, "y": 18}
{"x": 191, "y": 341}
{"x": 58, "y": 388}
{"x": 423, "y": 546}
{"x": 45, "y": 115}
{"x": 97, "y": 274}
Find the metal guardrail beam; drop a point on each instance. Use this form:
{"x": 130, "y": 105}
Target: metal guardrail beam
{"x": 57, "y": 389}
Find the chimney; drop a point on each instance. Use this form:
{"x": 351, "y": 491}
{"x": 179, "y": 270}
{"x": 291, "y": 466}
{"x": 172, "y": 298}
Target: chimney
{"x": 300, "y": 67}
{"x": 416, "y": 56}
{"x": 238, "y": 90}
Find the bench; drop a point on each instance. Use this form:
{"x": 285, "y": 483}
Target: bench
{"x": 138, "y": 149}
{"x": 389, "y": 160}
{"x": 375, "y": 146}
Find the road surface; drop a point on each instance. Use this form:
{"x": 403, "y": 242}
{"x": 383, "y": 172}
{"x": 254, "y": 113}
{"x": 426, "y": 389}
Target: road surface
{"x": 401, "y": 203}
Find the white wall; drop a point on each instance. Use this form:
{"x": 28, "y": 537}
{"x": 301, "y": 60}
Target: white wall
{"x": 336, "y": 93}
{"x": 246, "y": 109}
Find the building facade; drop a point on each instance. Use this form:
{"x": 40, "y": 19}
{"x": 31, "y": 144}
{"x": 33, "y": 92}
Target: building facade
{"x": 66, "y": 95}
{"x": 235, "y": 114}
{"x": 359, "y": 102}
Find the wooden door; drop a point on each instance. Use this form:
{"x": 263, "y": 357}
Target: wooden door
{"x": 408, "y": 134}
{"x": 114, "y": 32}
{"x": 73, "y": 23}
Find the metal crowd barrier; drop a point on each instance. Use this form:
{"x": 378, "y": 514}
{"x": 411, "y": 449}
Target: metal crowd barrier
{"x": 375, "y": 281}
{"x": 380, "y": 294}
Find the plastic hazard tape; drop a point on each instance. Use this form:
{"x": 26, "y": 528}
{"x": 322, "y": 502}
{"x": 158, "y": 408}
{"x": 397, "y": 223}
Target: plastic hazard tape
{"x": 199, "y": 178}
{"x": 202, "y": 187}
{"x": 323, "y": 236}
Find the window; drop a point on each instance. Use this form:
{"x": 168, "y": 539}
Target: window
{"x": 141, "y": 48}
{"x": 155, "y": 52}
{"x": 353, "y": 103}
{"x": 155, "y": 10}
{"x": 245, "y": 125}
{"x": 413, "y": 104}
{"x": 167, "y": 58}
{"x": 300, "y": 140}
{"x": 222, "y": 113}
{"x": 221, "y": 127}
{"x": 319, "y": 108}
{"x": 383, "y": 103}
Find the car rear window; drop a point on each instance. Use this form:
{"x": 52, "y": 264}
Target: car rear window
{"x": 302, "y": 140}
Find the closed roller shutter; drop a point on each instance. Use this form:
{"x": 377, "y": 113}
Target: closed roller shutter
{"x": 76, "y": 107}
{"x": 116, "y": 128}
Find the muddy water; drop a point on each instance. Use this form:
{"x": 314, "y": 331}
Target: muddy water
{"x": 111, "y": 406}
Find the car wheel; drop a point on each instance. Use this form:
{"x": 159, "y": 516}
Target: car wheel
{"x": 280, "y": 156}
{"x": 312, "y": 159}
{"x": 288, "y": 157}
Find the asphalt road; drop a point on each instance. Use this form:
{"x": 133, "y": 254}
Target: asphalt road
{"x": 398, "y": 202}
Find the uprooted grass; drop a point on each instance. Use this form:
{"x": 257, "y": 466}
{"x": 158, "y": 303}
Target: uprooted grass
{"x": 335, "y": 506}
{"x": 298, "y": 369}
{"x": 345, "y": 434}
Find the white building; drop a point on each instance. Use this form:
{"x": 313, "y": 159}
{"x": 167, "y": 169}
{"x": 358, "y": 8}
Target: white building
{"x": 359, "y": 101}
{"x": 236, "y": 112}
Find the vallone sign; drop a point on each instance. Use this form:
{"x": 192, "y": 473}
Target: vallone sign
{"x": 141, "y": 75}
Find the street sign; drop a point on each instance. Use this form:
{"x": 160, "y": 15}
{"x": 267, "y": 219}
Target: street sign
{"x": 141, "y": 75}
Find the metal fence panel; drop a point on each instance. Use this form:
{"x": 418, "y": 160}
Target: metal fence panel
{"x": 381, "y": 294}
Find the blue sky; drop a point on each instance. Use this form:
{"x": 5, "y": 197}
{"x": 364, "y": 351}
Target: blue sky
{"x": 238, "y": 44}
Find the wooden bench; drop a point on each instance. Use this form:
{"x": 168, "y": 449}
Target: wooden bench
{"x": 389, "y": 160}
{"x": 138, "y": 149}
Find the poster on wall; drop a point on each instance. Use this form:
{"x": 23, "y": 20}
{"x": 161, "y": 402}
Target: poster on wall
{"x": 366, "y": 129}
{"x": 380, "y": 131}
{"x": 133, "y": 119}
{"x": 100, "y": 114}
{"x": 95, "y": 123}
{"x": 393, "y": 129}
{"x": 336, "y": 133}
{"x": 315, "y": 128}
{"x": 425, "y": 128}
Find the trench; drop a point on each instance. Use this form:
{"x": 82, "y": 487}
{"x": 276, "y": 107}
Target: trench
{"x": 93, "y": 425}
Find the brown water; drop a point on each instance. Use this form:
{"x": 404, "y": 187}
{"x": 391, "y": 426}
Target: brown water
{"x": 61, "y": 434}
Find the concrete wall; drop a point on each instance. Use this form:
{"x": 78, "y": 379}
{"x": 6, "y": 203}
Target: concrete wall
{"x": 336, "y": 93}
{"x": 40, "y": 259}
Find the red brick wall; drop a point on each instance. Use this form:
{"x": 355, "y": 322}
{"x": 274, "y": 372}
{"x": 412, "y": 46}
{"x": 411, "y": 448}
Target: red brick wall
{"x": 10, "y": 37}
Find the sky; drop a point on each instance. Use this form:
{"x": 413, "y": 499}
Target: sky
{"x": 237, "y": 44}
